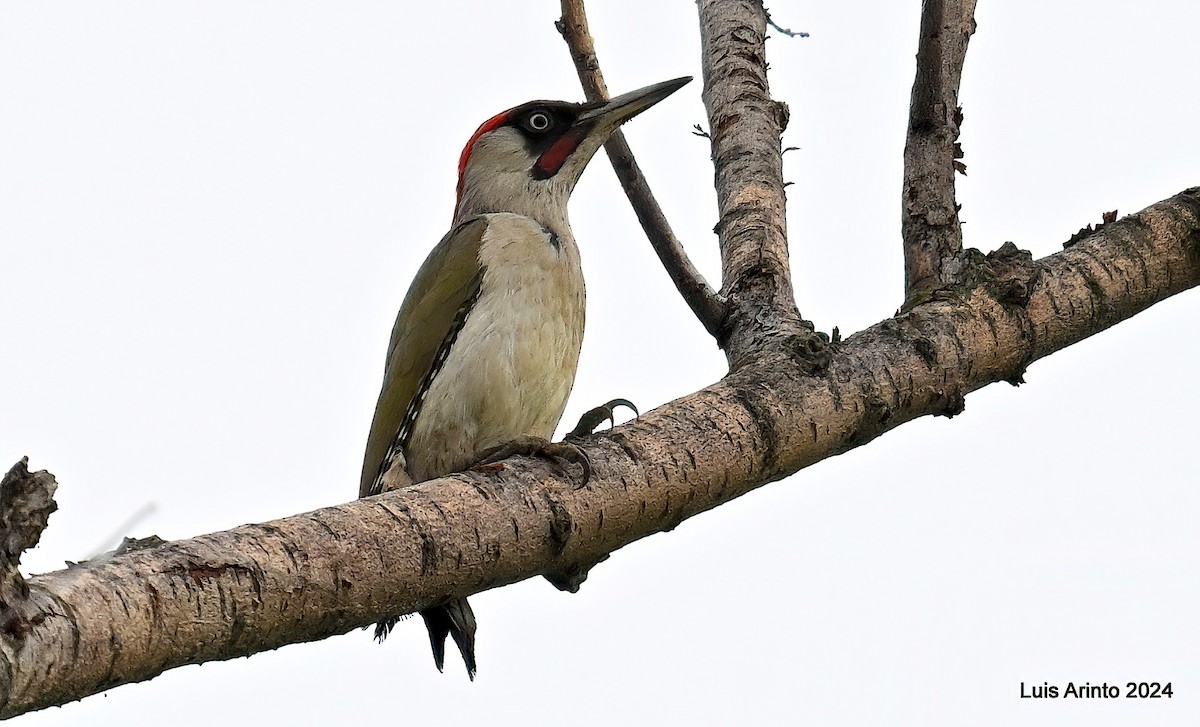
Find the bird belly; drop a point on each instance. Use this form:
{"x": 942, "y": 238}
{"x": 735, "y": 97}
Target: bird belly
{"x": 513, "y": 364}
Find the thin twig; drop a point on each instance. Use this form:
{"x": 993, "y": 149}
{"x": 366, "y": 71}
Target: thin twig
{"x": 930, "y": 225}
{"x": 698, "y": 294}
{"x": 786, "y": 31}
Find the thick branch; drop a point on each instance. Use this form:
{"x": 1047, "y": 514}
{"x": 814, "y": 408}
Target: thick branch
{"x": 744, "y": 127}
{"x": 306, "y": 577}
{"x": 930, "y": 227}
{"x": 700, "y": 297}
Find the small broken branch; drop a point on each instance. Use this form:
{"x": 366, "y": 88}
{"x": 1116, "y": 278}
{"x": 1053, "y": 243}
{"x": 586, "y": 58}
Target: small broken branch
{"x": 26, "y": 501}
{"x": 930, "y": 225}
{"x": 696, "y": 292}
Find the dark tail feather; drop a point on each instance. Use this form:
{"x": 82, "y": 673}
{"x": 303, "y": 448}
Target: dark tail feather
{"x": 384, "y": 627}
{"x": 454, "y": 619}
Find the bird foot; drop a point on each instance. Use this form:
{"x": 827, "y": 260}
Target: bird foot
{"x": 593, "y": 418}
{"x": 559, "y": 453}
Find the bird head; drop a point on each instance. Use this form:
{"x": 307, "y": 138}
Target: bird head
{"x": 527, "y": 159}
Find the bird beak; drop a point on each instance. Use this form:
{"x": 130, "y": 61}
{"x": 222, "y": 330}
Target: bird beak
{"x": 592, "y": 128}
{"x": 616, "y": 111}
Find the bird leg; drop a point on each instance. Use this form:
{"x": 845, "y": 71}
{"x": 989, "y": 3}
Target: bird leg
{"x": 558, "y": 452}
{"x": 593, "y": 418}
{"x": 529, "y": 446}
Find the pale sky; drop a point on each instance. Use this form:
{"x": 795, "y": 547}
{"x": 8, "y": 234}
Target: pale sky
{"x": 210, "y": 212}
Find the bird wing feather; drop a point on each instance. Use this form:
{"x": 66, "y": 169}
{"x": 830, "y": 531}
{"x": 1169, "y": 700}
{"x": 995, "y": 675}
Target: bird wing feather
{"x": 447, "y": 280}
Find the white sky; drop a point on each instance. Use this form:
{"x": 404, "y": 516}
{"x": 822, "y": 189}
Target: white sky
{"x": 210, "y": 211}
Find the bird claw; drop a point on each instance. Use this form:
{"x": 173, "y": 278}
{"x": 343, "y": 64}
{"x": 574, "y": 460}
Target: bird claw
{"x": 593, "y": 418}
{"x": 557, "y": 452}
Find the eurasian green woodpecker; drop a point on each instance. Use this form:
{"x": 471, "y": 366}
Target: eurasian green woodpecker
{"x": 486, "y": 343}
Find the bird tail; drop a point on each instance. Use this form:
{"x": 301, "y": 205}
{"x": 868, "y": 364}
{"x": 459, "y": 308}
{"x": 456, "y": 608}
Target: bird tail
{"x": 453, "y": 618}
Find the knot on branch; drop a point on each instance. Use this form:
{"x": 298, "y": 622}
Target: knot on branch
{"x": 26, "y": 501}
{"x": 562, "y": 529}
{"x": 810, "y": 351}
{"x": 1007, "y": 273}
{"x": 876, "y": 414}
{"x": 1010, "y": 274}
{"x": 562, "y": 524}
{"x": 782, "y": 115}
{"x": 569, "y": 579}
{"x": 953, "y": 403}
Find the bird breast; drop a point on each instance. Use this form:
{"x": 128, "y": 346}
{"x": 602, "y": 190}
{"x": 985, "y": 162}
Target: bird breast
{"x": 512, "y": 365}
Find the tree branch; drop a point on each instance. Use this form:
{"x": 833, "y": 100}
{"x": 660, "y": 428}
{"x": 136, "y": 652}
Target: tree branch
{"x": 220, "y": 596}
{"x": 699, "y": 295}
{"x": 930, "y": 226}
{"x": 745, "y": 126}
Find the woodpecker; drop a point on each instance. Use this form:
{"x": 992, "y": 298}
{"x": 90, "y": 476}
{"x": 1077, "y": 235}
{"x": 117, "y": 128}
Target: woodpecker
{"x": 484, "y": 350}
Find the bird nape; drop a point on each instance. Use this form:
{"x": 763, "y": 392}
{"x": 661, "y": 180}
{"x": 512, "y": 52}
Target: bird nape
{"x": 484, "y": 350}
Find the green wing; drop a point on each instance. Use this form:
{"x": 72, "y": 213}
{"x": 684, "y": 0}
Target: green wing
{"x": 448, "y": 278}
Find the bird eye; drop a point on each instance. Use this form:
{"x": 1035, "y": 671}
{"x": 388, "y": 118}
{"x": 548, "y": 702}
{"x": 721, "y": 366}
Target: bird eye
{"x": 538, "y": 121}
